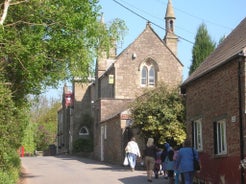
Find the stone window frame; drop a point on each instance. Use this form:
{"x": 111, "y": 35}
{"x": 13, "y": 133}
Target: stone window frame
{"x": 85, "y": 131}
{"x": 148, "y": 72}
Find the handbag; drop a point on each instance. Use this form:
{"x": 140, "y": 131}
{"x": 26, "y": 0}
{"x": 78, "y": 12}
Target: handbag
{"x": 195, "y": 162}
{"x": 126, "y": 162}
{"x": 169, "y": 165}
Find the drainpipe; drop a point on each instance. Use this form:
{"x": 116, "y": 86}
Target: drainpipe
{"x": 241, "y": 113}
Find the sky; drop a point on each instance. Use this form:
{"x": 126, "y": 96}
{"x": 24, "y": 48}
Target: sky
{"x": 219, "y": 16}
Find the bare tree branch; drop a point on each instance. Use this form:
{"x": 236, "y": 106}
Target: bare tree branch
{"x": 6, "y": 5}
{"x": 19, "y": 2}
{"x": 5, "y": 11}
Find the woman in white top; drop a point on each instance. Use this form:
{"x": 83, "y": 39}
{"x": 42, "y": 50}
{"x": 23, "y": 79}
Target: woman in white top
{"x": 132, "y": 151}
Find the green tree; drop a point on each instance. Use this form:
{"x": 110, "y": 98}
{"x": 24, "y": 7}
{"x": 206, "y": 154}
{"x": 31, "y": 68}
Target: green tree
{"x": 12, "y": 124}
{"x": 222, "y": 39}
{"x": 45, "y": 41}
{"x": 41, "y": 43}
{"x": 44, "y": 118}
{"x": 159, "y": 113}
{"x": 202, "y": 48}
{"x": 28, "y": 138}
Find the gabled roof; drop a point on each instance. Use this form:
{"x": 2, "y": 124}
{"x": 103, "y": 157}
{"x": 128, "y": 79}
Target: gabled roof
{"x": 233, "y": 45}
{"x": 148, "y": 27}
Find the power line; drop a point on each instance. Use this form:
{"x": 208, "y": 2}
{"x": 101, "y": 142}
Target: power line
{"x": 200, "y": 18}
{"x": 180, "y": 37}
{"x": 219, "y": 25}
{"x": 158, "y": 18}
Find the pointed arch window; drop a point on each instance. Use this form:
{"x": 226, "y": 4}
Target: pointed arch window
{"x": 144, "y": 75}
{"x": 152, "y": 76}
{"x": 148, "y": 75}
{"x": 171, "y": 25}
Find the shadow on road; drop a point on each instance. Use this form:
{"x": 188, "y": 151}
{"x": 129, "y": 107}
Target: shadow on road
{"x": 103, "y": 164}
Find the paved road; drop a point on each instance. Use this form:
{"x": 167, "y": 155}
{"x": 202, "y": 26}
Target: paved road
{"x": 74, "y": 170}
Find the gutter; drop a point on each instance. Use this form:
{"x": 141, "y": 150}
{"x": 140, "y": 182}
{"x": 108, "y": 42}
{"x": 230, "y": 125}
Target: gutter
{"x": 241, "y": 88}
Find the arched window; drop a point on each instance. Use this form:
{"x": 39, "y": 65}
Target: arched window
{"x": 144, "y": 76}
{"x": 84, "y": 131}
{"x": 152, "y": 76}
{"x": 148, "y": 74}
{"x": 171, "y": 25}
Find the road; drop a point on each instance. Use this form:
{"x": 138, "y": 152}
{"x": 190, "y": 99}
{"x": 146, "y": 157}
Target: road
{"x": 74, "y": 170}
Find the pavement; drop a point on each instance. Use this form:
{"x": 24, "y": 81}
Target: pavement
{"x": 66, "y": 169}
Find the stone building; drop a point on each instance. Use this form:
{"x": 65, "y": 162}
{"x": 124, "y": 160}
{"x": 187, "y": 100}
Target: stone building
{"x": 215, "y": 110}
{"x": 119, "y": 79}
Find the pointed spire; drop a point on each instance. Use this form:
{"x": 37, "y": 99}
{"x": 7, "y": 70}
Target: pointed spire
{"x": 170, "y": 38}
{"x": 169, "y": 10}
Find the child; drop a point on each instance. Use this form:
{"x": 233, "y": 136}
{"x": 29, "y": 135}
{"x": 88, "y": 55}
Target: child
{"x": 158, "y": 162}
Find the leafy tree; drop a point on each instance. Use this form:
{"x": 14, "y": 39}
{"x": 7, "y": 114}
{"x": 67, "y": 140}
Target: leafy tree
{"x": 222, "y": 39}
{"x": 28, "y": 138}
{"x": 12, "y": 124}
{"x": 160, "y": 114}
{"x": 45, "y": 41}
{"x": 202, "y": 48}
{"x": 44, "y": 118}
{"x": 41, "y": 43}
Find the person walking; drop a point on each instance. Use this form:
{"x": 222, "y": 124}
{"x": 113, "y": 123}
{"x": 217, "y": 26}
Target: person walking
{"x": 157, "y": 167}
{"x": 184, "y": 162}
{"x": 176, "y": 171}
{"x": 169, "y": 164}
{"x": 163, "y": 167}
{"x": 149, "y": 158}
{"x": 132, "y": 151}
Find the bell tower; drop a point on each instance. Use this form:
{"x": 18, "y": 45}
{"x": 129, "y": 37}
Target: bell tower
{"x": 170, "y": 38}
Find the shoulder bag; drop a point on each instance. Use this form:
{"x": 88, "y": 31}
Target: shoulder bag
{"x": 195, "y": 162}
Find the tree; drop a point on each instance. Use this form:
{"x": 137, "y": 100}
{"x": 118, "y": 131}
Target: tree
{"x": 41, "y": 43}
{"x": 159, "y": 113}
{"x": 28, "y": 141}
{"x": 202, "y": 48}
{"x": 12, "y": 124}
{"x": 45, "y": 41}
{"x": 44, "y": 122}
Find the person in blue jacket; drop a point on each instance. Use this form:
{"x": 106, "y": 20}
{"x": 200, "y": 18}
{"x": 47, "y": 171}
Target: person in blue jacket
{"x": 184, "y": 162}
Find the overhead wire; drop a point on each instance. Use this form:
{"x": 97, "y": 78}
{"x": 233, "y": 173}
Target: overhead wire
{"x": 158, "y": 18}
{"x": 199, "y": 18}
{"x": 180, "y": 37}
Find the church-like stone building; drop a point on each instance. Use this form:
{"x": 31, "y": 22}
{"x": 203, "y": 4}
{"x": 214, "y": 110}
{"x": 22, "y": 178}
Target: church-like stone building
{"x": 99, "y": 111}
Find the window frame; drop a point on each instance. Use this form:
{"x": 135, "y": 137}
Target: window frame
{"x": 85, "y": 128}
{"x": 147, "y": 78}
{"x": 144, "y": 75}
{"x": 220, "y": 138}
{"x": 197, "y": 134}
{"x": 151, "y": 77}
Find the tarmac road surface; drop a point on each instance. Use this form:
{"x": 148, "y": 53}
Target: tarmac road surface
{"x": 75, "y": 170}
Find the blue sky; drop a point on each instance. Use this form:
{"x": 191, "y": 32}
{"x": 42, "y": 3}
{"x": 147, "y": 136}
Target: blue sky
{"x": 220, "y": 17}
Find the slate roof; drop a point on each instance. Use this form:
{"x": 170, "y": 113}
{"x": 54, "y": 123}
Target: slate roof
{"x": 233, "y": 45}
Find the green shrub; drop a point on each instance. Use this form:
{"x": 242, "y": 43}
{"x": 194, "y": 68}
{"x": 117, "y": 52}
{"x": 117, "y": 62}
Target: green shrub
{"x": 12, "y": 123}
{"x": 9, "y": 173}
{"x": 82, "y": 145}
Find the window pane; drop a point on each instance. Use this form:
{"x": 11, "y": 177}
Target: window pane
{"x": 144, "y": 76}
{"x": 221, "y": 137}
{"x": 197, "y": 131}
{"x": 152, "y": 76}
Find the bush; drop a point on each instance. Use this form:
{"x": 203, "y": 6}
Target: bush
{"x": 9, "y": 173}
{"x": 82, "y": 145}
{"x": 12, "y": 123}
